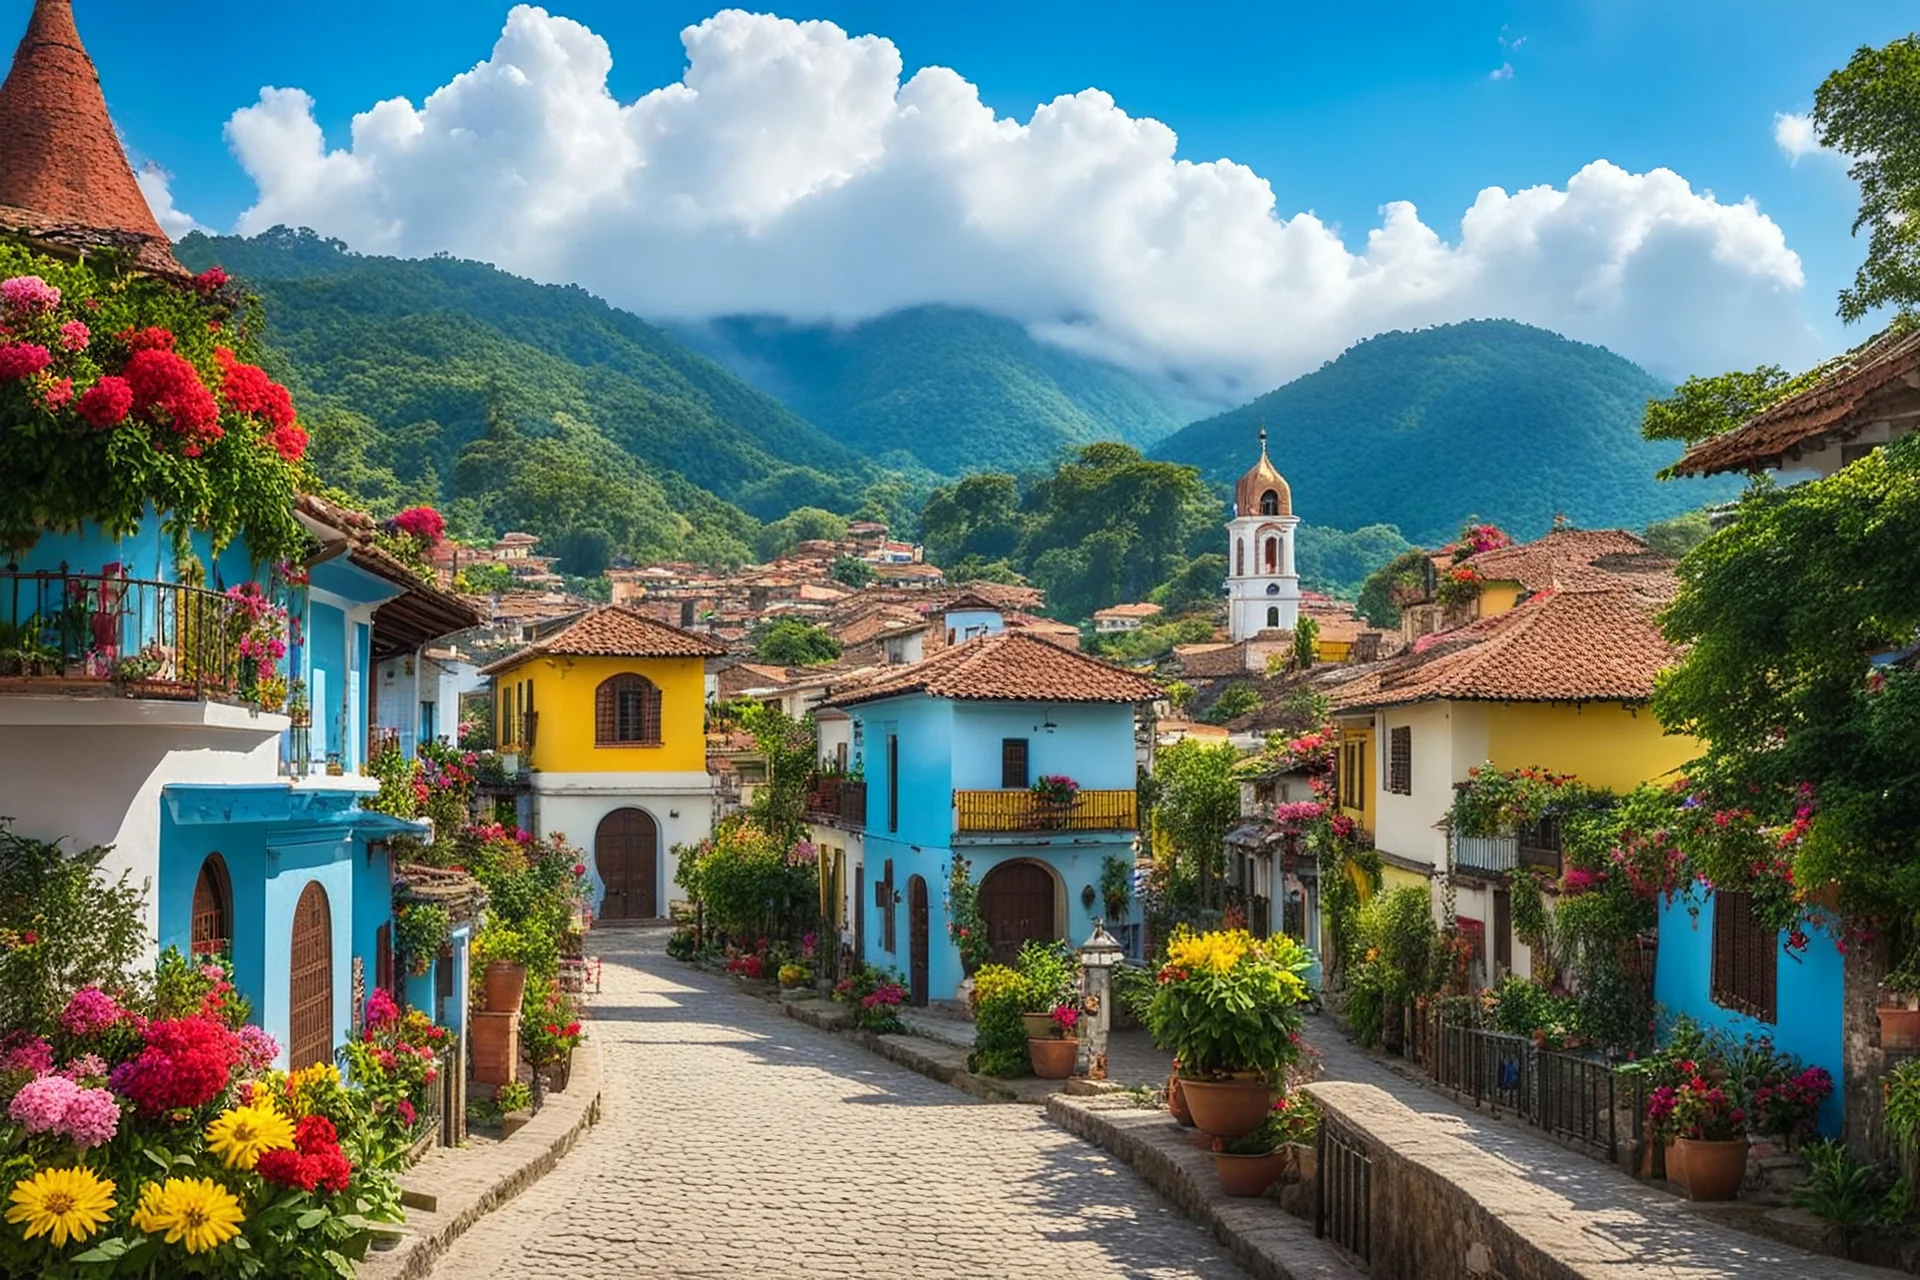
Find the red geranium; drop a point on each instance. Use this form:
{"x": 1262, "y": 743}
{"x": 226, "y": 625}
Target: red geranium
{"x": 186, "y": 1063}
{"x": 315, "y": 1163}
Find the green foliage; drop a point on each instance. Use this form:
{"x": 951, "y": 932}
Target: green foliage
{"x": 420, "y": 929}
{"x": 1339, "y": 563}
{"x": 794, "y": 642}
{"x": 1306, "y": 636}
{"x": 802, "y": 524}
{"x": 750, "y": 885}
{"x": 965, "y": 925}
{"x": 65, "y": 927}
{"x": 1674, "y": 538}
{"x": 1375, "y": 601}
{"x": 1902, "y": 1118}
{"x": 1522, "y": 1008}
{"x": 1198, "y": 802}
{"x": 1116, "y": 886}
{"x": 1850, "y": 1194}
{"x": 1347, "y": 868}
{"x": 1706, "y": 406}
{"x": 1238, "y": 699}
{"x": 1051, "y": 971}
{"x": 875, "y": 997}
{"x": 944, "y": 390}
{"x": 1869, "y": 111}
{"x": 1399, "y": 926}
{"x": 1000, "y": 995}
{"x": 1196, "y": 586}
{"x": 1778, "y": 614}
{"x": 1147, "y": 643}
{"x": 791, "y": 748}
{"x": 1494, "y": 802}
{"x": 485, "y": 579}
{"x": 1490, "y": 416}
{"x": 583, "y": 551}
{"x": 1228, "y": 1003}
{"x": 851, "y": 571}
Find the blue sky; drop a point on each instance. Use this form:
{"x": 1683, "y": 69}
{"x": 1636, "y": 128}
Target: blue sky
{"x": 1340, "y": 108}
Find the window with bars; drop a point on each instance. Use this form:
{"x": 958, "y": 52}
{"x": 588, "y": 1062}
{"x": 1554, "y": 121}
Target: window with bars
{"x": 212, "y": 909}
{"x": 1745, "y": 957}
{"x": 1400, "y": 761}
{"x": 626, "y": 712}
{"x": 1353, "y": 774}
{"x": 1013, "y": 764}
{"x": 885, "y": 888}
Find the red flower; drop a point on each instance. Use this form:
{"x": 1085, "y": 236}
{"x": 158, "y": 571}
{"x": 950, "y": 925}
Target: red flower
{"x": 423, "y": 523}
{"x": 209, "y": 280}
{"x": 106, "y": 402}
{"x": 148, "y": 339}
{"x": 186, "y": 1063}
{"x": 290, "y": 442}
{"x": 168, "y": 389}
{"x": 60, "y": 394}
{"x": 247, "y": 389}
{"x": 22, "y": 360}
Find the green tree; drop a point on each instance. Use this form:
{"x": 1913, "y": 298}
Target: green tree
{"x": 583, "y": 552}
{"x": 1306, "y": 635}
{"x": 1376, "y": 594}
{"x": 793, "y": 642}
{"x": 1197, "y": 802}
{"x": 1702, "y": 407}
{"x": 1675, "y": 537}
{"x": 851, "y": 571}
{"x": 1236, "y": 700}
{"x": 1869, "y": 111}
{"x": 485, "y": 579}
{"x": 1200, "y": 584}
{"x": 804, "y": 524}
{"x": 791, "y": 749}
{"x": 978, "y": 518}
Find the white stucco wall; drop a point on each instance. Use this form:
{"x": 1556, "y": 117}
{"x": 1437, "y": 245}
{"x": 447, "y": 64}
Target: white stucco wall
{"x": 681, "y": 805}
{"x": 1448, "y": 739}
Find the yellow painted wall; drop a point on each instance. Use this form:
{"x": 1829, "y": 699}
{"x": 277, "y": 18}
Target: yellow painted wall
{"x": 1360, "y": 734}
{"x": 562, "y": 691}
{"x": 1602, "y": 744}
{"x": 1332, "y": 650}
{"x": 1392, "y": 878}
{"x": 1498, "y": 597}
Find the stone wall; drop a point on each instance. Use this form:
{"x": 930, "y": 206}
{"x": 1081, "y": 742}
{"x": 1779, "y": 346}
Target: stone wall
{"x": 1442, "y": 1207}
{"x": 1866, "y": 963}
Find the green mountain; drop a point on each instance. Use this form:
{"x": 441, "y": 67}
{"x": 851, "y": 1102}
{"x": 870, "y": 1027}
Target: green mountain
{"x": 938, "y": 389}
{"x": 1487, "y": 418}
{"x": 533, "y": 405}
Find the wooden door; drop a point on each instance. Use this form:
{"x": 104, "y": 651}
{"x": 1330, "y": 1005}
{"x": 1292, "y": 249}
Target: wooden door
{"x": 626, "y": 852}
{"x": 860, "y": 915}
{"x": 1016, "y": 901}
{"x": 212, "y": 909}
{"x": 917, "y": 941}
{"x": 310, "y": 983}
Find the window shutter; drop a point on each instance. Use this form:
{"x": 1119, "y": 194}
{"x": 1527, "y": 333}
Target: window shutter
{"x": 1745, "y": 964}
{"x": 603, "y": 712}
{"x": 1400, "y": 761}
{"x": 1013, "y": 764}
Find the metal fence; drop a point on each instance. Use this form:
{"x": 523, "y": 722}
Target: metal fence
{"x": 1570, "y": 1095}
{"x": 1343, "y": 1199}
{"x": 147, "y": 639}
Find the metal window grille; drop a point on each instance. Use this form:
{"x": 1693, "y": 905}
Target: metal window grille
{"x": 1013, "y": 763}
{"x": 626, "y": 712}
{"x": 1400, "y": 761}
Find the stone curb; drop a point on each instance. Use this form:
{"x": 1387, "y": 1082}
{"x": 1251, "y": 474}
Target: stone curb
{"x": 1262, "y": 1237}
{"x": 465, "y": 1195}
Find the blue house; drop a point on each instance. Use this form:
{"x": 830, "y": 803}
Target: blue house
{"x": 952, "y": 748}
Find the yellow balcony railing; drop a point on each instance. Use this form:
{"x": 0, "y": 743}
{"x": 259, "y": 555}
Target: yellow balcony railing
{"x": 1022, "y": 810}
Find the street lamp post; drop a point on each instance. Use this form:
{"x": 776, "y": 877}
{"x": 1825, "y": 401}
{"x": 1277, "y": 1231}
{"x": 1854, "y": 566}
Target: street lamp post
{"x": 1098, "y": 955}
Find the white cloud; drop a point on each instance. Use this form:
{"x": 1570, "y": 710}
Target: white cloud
{"x": 154, "y": 183}
{"x": 1502, "y": 72}
{"x": 791, "y": 171}
{"x": 1796, "y": 137}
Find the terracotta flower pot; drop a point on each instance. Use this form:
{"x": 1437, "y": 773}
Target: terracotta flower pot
{"x": 1177, "y": 1101}
{"x": 1714, "y": 1170}
{"x": 1053, "y": 1059}
{"x": 1039, "y": 1025}
{"x": 493, "y": 1040}
{"x": 506, "y": 985}
{"x": 1899, "y": 1028}
{"x": 1228, "y": 1108}
{"x": 1250, "y": 1175}
{"x": 1676, "y": 1161}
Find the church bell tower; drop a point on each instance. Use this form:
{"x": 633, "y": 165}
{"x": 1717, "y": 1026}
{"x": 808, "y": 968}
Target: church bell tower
{"x": 1263, "y": 590}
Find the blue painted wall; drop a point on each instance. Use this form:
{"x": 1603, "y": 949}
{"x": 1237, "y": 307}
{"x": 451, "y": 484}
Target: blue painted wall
{"x": 327, "y": 677}
{"x": 924, "y": 727}
{"x": 1807, "y": 994}
{"x": 1092, "y": 743}
{"x": 965, "y": 624}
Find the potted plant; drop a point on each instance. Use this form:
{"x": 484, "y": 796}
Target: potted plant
{"x": 1249, "y": 1164}
{"x": 1049, "y": 972}
{"x": 1053, "y": 795}
{"x": 551, "y": 1032}
{"x": 1177, "y": 1098}
{"x": 1899, "y": 1007}
{"x": 298, "y": 710}
{"x": 1712, "y": 1140}
{"x": 420, "y": 929}
{"x": 1054, "y": 1056}
{"x": 1228, "y": 1007}
{"x": 506, "y": 952}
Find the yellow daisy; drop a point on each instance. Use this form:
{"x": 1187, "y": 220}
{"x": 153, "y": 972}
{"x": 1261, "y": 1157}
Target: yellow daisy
{"x": 61, "y": 1204}
{"x": 196, "y": 1212}
{"x": 239, "y": 1134}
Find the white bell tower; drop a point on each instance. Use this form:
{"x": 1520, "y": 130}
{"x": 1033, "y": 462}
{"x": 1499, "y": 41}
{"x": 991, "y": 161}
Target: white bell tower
{"x": 1263, "y": 590}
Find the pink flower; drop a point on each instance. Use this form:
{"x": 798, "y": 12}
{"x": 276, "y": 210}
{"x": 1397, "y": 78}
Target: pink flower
{"x": 55, "y": 1104}
{"x": 106, "y": 403}
{"x": 405, "y": 1110}
{"x": 21, "y": 1052}
{"x": 381, "y": 1010}
{"x": 22, "y": 360}
{"x": 93, "y": 1117}
{"x": 74, "y": 336}
{"x": 258, "y": 1048}
{"x": 59, "y": 393}
{"x": 88, "y": 1066}
{"x": 27, "y": 296}
{"x": 90, "y": 1011}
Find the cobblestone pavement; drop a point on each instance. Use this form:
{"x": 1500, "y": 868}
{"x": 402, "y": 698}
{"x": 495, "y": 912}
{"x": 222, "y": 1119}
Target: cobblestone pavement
{"x": 736, "y": 1141}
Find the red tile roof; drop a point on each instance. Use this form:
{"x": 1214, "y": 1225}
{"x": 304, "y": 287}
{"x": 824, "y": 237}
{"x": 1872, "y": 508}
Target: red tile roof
{"x": 64, "y": 179}
{"x": 1009, "y": 666}
{"x": 1852, "y": 396}
{"x": 613, "y": 631}
{"x": 1588, "y": 644}
{"x": 1549, "y": 561}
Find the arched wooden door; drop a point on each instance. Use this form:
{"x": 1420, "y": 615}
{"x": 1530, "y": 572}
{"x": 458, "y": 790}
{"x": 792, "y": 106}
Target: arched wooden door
{"x": 212, "y": 930}
{"x": 1016, "y": 901}
{"x": 310, "y": 996}
{"x": 917, "y": 941}
{"x": 626, "y": 852}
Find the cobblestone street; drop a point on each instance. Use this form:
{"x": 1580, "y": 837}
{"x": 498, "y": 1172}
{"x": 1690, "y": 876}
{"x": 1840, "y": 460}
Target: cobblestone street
{"x": 736, "y": 1141}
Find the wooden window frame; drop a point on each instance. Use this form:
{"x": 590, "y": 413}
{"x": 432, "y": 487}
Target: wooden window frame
{"x": 1016, "y": 764}
{"x": 213, "y": 872}
{"x": 1400, "y": 760}
{"x": 1746, "y": 959}
{"x": 893, "y": 807}
{"x": 618, "y": 724}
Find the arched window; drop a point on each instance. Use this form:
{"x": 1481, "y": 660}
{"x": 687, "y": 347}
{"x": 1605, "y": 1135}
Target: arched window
{"x": 212, "y": 909}
{"x": 626, "y": 712}
{"x": 1270, "y": 503}
{"x": 1273, "y": 555}
{"x": 1239, "y": 557}
{"x": 1273, "y": 615}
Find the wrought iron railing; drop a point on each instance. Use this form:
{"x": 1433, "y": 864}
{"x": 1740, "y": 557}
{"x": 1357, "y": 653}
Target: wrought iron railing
{"x": 71, "y": 631}
{"x": 1023, "y": 810}
{"x": 1343, "y": 1194}
{"x": 1570, "y": 1095}
{"x": 838, "y": 799}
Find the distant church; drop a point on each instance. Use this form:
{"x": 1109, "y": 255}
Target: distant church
{"x": 1263, "y": 590}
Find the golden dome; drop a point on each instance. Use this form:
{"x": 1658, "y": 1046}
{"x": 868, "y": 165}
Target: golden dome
{"x": 1262, "y": 491}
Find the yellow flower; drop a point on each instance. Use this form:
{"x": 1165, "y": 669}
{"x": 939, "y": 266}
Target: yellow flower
{"x": 1218, "y": 951}
{"x": 196, "y": 1212}
{"x": 239, "y": 1134}
{"x": 62, "y": 1204}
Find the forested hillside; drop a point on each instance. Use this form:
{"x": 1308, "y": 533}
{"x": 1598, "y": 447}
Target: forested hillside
{"x": 941, "y": 389}
{"x": 1487, "y": 418}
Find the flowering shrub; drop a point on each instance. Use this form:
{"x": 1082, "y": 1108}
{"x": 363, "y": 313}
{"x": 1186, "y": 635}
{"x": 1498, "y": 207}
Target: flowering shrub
{"x": 876, "y": 999}
{"x": 1494, "y": 802}
{"x": 1226, "y": 1002}
{"x": 1293, "y": 1118}
{"x": 548, "y": 1027}
{"x": 393, "y": 1064}
{"x": 965, "y": 925}
{"x": 108, "y": 407}
{"x": 1055, "y": 788}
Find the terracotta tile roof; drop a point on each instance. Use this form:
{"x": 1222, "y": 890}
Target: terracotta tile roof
{"x": 422, "y": 611}
{"x": 1589, "y": 644}
{"x": 1009, "y": 666}
{"x": 1550, "y": 561}
{"x": 1859, "y": 389}
{"x": 1211, "y": 661}
{"x": 613, "y": 631}
{"x": 1128, "y": 611}
{"x": 64, "y": 179}
{"x": 971, "y": 600}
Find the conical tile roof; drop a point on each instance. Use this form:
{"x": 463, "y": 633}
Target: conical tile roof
{"x": 64, "y": 179}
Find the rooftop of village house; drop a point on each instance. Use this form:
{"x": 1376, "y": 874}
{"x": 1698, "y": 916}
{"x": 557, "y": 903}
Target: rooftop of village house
{"x": 611, "y": 631}
{"x": 1006, "y": 666}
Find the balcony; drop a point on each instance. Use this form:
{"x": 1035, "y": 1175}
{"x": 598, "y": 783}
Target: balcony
{"x": 105, "y": 635}
{"x": 1494, "y": 856}
{"x": 1020, "y": 811}
{"x": 842, "y": 801}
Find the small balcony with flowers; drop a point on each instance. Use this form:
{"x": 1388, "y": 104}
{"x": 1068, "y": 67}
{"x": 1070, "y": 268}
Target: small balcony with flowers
{"x": 1053, "y": 803}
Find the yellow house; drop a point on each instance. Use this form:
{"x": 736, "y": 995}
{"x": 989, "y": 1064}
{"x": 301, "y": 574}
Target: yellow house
{"x": 1556, "y": 674}
{"x": 607, "y": 711}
